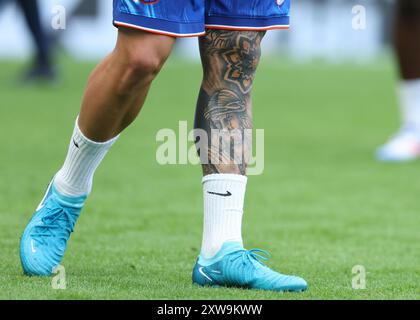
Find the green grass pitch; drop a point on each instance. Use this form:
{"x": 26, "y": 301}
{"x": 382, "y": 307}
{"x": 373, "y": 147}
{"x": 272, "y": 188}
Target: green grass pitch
{"x": 322, "y": 205}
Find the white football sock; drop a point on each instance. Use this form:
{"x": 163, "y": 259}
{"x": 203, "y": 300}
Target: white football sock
{"x": 223, "y": 210}
{"x": 409, "y": 92}
{"x": 84, "y": 156}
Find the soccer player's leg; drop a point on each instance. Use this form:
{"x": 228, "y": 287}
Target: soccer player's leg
{"x": 230, "y": 60}
{"x": 114, "y": 96}
{"x": 405, "y": 145}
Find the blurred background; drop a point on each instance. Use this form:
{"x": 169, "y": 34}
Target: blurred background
{"x": 325, "y": 97}
{"x": 318, "y": 29}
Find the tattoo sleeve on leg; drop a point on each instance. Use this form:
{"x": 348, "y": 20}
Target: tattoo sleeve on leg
{"x": 224, "y": 108}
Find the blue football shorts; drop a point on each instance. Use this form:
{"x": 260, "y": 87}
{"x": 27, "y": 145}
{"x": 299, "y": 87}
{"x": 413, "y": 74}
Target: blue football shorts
{"x": 188, "y": 18}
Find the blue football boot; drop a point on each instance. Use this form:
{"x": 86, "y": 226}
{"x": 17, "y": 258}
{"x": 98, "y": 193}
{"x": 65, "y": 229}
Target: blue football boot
{"x": 233, "y": 266}
{"x": 44, "y": 240}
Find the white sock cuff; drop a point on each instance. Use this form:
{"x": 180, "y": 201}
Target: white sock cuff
{"x": 223, "y": 210}
{"x": 409, "y": 96}
{"x": 225, "y": 177}
{"x": 224, "y": 192}
{"x": 413, "y": 84}
{"x": 79, "y": 136}
{"x": 83, "y": 158}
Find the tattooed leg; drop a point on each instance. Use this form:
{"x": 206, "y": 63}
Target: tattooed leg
{"x": 230, "y": 60}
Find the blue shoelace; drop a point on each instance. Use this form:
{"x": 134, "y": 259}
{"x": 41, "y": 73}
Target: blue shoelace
{"x": 57, "y": 219}
{"x": 254, "y": 255}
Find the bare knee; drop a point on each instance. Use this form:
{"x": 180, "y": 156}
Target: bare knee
{"x": 141, "y": 56}
{"x": 142, "y": 68}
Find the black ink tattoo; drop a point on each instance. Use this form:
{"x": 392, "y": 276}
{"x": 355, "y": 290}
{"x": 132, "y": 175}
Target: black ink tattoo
{"x": 242, "y": 62}
{"x": 230, "y": 60}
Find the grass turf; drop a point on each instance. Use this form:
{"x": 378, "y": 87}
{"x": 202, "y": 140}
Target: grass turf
{"x": 322, "y": 205}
